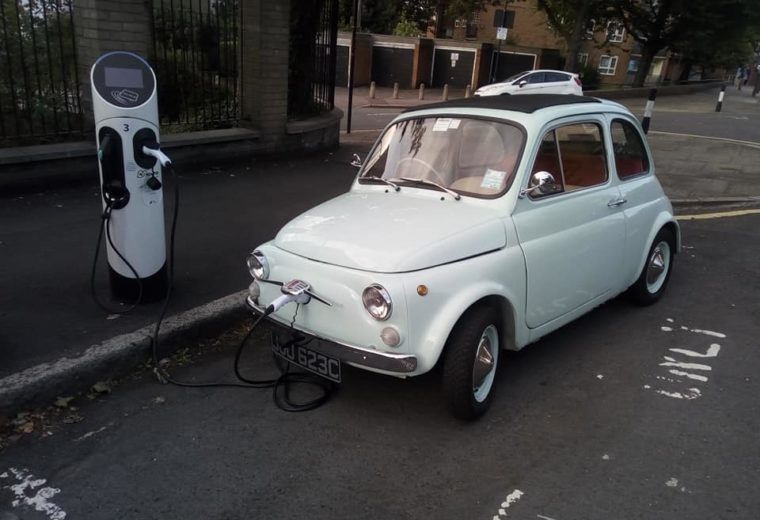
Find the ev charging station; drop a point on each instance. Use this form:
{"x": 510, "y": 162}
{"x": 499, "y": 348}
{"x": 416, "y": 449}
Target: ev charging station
{"x": 125, "y": 107}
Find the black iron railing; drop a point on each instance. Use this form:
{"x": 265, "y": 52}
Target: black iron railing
{"x": 39, "y": 85}
{"x": 196, "y": 54}
{"x": 313, "y": 48}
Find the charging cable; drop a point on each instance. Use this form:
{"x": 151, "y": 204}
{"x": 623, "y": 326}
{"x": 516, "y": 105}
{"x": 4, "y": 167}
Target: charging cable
{"x": 281, "y": 385}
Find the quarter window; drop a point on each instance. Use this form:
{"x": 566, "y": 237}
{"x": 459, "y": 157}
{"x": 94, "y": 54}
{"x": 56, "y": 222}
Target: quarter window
{"x": 630, "y": 155}
{"x": 574, "y": 155}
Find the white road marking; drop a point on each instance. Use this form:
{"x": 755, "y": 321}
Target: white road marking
{"x": 696, "y": 377}
{"x": 542, "y": 517}
{"x": 711, "y": 352}
{"x": 670, "y": 362}
{"x": 90, "y": 434}
{"x": 25, "y": 485}
{"x": 513, "y": 497}
{"x": 693, "y": 393}
{"x": 685, "y": 369}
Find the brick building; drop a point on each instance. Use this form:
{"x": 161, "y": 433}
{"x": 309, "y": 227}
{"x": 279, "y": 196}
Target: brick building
{"x": 609, "y": 49}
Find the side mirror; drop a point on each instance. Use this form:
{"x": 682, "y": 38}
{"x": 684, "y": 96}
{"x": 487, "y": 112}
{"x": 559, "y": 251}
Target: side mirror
{"x": 541, "y": 182}
{"x": 356, "y": 161}
{"x": 523, "y": 83}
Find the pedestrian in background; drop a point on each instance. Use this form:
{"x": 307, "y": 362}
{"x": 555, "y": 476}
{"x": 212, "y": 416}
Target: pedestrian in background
{"x": 739, "y": 79}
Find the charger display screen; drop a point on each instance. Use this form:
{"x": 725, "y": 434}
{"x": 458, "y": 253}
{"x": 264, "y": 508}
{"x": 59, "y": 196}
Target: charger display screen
{"x": 123, "y": 78}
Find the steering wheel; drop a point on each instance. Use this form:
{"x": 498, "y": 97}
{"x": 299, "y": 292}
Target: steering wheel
{"x": 426, "y": 164}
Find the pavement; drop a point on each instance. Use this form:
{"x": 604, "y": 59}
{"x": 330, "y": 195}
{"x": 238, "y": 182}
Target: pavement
{"x": 55, "y": 340}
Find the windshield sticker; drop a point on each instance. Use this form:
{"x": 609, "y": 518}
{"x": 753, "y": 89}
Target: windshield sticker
{"x": 454, "y": 124}
{"x": 441, "y": 124}
{"x": 493, "y": 179}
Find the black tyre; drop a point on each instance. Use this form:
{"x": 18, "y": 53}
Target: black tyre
{"x": 470, "y": 360}
{"x": 655, "y": 274}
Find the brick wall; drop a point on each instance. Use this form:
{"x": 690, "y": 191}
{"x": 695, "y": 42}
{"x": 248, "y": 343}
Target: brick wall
{"x": 108, "y": 25}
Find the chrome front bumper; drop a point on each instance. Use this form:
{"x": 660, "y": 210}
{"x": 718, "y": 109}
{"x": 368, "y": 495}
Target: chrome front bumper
{"x": 360, "y": 356}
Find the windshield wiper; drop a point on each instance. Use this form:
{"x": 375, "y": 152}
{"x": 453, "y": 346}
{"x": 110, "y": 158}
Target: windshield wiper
{"x": 385, "y": 181}
{"x": 431, "y": 183}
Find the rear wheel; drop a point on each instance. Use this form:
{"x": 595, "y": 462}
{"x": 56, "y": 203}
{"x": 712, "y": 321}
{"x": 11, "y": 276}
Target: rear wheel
{"x": 469, "y": 368}
{"x": 656, "y": 271}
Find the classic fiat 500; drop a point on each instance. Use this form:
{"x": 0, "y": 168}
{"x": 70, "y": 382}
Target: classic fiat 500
{"x": 474, "y": 225}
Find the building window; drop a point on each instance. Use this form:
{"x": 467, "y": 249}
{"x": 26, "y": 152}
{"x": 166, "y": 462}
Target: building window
{"x": 607, "y": 65}
{"x": 471, "y": 30}
{"x": 615, "y": 32}
{"x": 582, "y": 59}
{"x": 588, "y": 33}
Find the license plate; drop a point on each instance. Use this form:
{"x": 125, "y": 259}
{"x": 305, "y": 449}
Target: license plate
{"x": 308, "y": 359}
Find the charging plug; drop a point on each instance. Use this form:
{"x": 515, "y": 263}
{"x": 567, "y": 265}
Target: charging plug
{"x": 152, "y": 149}
{"x": 105, "y": 143}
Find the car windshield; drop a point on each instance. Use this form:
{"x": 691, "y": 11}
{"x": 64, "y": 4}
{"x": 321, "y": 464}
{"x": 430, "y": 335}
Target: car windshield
{"x": 515, "y": 77}
{"x": 473, "y": 157}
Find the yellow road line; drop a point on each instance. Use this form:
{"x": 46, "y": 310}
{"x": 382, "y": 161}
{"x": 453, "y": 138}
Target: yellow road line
{"x": 722, "y": 214}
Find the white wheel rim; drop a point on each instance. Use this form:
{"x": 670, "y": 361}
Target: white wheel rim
{"x": 657, "y": 267}
{"x": 484, "y": 365}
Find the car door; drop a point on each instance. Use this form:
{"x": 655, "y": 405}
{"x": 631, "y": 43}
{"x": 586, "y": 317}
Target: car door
{"x": 555, "y": 83}
{"x": 638, "y": 186}
{"x": 572, "y": 235}
{"x": 534, "y": 85}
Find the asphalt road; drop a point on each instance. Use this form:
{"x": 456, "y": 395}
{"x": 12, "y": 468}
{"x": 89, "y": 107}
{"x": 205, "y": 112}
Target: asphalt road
{"x": 593, "y": 422}
{"x": 689, "y": 114}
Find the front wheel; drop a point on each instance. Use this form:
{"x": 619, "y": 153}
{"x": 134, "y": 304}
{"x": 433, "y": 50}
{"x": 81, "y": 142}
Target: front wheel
{"x": 469, "y": 367}
{"x": 656, "y": 271}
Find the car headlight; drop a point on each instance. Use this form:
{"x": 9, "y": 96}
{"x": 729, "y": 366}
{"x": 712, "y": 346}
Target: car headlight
{"x": 378, "y": 302}
{"x": 258, "y": 265}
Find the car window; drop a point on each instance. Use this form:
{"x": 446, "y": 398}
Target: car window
{"x": 583, "y": 158}
{"x": 475, "y": 157}
{"x": 630, "y": 155}
{"x": 574, "y": 155}
{"x": 537, "y": 77}
{"x": 547, "y": 160}
{"x": 515, "y": 77}
{"x": 556, "y": 76}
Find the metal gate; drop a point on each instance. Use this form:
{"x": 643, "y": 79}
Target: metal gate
{"x": 40, "y": 98}
{"x": 197, "y": 61}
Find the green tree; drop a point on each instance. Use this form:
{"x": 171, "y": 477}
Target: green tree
{"x": 570, "y": 19}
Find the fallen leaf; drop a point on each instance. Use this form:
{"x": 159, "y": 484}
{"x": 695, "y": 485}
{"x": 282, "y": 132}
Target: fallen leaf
{"x": 63, "y": 402}
{"x": 73, "y": 418}
{"x": 102, "y": 387}
{"x": 27, "y": 427}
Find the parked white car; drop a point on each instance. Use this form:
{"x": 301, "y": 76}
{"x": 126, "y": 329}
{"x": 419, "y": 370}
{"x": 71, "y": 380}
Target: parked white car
{"x": 535, "y": 82}
{"x": 474, "y": 225}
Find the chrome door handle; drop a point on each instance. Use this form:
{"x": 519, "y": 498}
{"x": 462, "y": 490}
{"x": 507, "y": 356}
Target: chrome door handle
{"x": 615, "y": 203}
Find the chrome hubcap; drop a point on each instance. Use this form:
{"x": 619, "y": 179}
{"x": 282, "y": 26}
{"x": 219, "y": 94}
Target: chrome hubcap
{"x": 483, "y": 368}
{"x": 658, "y": 266}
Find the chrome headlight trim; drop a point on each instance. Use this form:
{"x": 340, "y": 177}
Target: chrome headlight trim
{"x": 377, "y": 292}
{"x": 258, "y": 265}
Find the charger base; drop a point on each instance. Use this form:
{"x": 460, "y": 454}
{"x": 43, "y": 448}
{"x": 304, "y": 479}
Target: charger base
{"x": 126, "y": 289}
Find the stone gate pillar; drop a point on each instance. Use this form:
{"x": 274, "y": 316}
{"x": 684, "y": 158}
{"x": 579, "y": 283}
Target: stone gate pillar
{"x": 109, "y": 25}
{"x": 265, "y": 34}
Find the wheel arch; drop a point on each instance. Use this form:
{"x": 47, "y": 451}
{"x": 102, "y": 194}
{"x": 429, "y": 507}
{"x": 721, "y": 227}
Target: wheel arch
{"x": 663, "y": 221}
